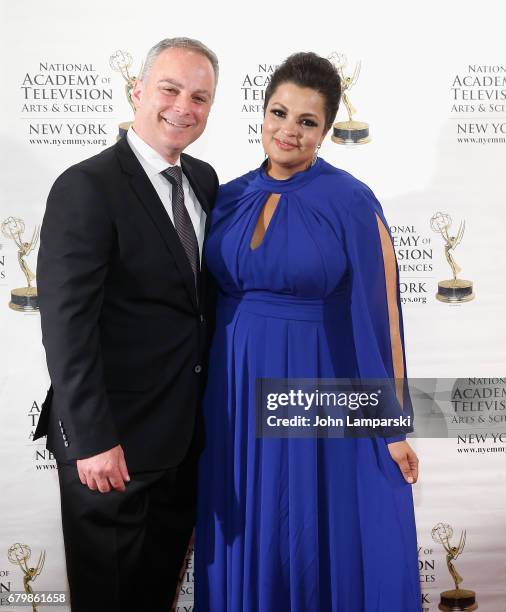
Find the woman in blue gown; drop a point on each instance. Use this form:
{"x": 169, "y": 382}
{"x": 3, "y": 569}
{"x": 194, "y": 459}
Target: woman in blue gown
{"x": 308, "y": 288}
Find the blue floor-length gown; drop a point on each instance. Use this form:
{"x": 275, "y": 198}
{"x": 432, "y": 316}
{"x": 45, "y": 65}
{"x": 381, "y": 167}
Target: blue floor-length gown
{"x": 300, "y": 525}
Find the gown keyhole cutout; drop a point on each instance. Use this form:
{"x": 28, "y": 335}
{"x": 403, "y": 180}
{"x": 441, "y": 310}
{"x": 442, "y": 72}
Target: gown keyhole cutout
{"x": 264, "y": 220}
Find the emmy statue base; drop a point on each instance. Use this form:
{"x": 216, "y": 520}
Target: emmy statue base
{"x": 351, "y": 133}
{"x": 123, "y": 129}
{"x": 455, "y": 291}
{"x": 24, "y": 299}
{"x": 458, "y": 600}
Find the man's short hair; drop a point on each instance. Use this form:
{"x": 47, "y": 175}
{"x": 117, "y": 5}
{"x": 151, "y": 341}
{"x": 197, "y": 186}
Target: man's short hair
{"x": 180, "y": 42}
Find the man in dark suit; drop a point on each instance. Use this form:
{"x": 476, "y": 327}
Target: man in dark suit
{"x": 125, "y": 301}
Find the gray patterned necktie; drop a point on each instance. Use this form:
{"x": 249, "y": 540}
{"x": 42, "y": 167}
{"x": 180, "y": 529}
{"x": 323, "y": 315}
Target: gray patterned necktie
{"x": 182, "y": 221}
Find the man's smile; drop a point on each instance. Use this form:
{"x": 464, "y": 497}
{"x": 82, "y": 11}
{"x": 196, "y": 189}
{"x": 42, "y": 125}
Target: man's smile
{"x": 177, "y": 125}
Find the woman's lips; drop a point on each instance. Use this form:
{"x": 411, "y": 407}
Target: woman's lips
{"x": 284, "y": 146}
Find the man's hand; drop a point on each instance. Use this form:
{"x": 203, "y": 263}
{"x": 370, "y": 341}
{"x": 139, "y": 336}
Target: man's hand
{"x": 406, "y": 459}
{"x": 105, "y": 471}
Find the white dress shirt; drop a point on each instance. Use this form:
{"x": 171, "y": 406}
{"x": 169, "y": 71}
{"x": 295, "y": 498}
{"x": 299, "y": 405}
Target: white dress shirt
{"x": 153, "y": 164}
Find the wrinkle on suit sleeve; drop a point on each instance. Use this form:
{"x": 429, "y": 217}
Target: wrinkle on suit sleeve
{"x": 77, "y": 236}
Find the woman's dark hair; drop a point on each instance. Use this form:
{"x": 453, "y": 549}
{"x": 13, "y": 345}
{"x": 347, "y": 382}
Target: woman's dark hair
{"x": 309, "y": 70}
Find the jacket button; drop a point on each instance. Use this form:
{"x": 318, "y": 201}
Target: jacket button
{"x": 197, "y": 369}
{"x": 202, "y": 319}
{"x": 66, "y": 443}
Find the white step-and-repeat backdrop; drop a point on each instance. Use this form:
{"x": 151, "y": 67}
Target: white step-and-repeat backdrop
{"x": 432, "y": 88}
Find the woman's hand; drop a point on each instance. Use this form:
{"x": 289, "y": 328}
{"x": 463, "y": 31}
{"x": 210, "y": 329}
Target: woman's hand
{"x": 406, "y": 459}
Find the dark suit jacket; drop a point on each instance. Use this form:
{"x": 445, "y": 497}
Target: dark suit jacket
{"x": 125, "y": 333}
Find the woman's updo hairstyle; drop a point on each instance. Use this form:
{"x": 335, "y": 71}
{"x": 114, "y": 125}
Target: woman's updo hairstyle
{"x": 309, "y": 70}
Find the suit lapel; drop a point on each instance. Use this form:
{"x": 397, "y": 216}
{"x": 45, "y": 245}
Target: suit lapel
{"x": 192, "y": 174}
{"x": 149, "y": 199}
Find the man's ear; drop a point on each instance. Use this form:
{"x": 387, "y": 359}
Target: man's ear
{"x": 137, "y": 91}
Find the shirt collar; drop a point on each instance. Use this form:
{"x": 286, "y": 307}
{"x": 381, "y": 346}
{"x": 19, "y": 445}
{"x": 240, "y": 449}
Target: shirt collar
{"x": 152, "y": 162}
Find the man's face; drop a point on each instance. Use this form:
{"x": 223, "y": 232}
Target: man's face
{"x": 173, "y": 102}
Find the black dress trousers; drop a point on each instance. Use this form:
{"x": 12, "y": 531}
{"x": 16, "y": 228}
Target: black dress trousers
{"x": 124, "y": 550}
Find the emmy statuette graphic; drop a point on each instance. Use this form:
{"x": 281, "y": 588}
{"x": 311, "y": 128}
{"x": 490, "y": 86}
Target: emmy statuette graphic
{"x": 457, "y": 599}
{"x": 348, "y": 132}
{"x": 19, "y": 555}
{"x": 455, "y": 290}
{"x": 23, "y": 299}
{"x": 121, "y": 61}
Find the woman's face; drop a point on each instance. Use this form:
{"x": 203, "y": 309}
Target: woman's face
{"x": 294, "y": 125}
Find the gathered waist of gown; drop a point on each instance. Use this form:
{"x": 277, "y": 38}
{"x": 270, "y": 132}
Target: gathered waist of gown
{"x": 285, "y": 306}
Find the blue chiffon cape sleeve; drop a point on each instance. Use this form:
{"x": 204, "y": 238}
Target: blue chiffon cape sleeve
{"x": 375, "y": 304}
